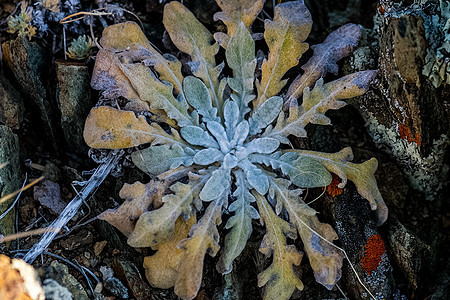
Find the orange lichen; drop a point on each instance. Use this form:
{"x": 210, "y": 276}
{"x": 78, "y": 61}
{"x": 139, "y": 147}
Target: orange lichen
{"x": 333, "y": 189}
{"x": 405, "y": 133}
{"x": 374, "y": 250}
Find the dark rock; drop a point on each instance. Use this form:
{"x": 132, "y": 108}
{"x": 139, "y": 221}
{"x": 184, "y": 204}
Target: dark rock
{"x": 10, "y": 179}
{"x": 60, "y": 273}
{"x": 364, "y": 246}
{"x": 412, "y": 255}
{"x": 128, "y": 273}
{"x": 48, "y": 193}
{"x": 29, "y": 65}
{"x": 74, "y": 99}
{"x": 75, "y": 241}
{"x": 11, "y": 105}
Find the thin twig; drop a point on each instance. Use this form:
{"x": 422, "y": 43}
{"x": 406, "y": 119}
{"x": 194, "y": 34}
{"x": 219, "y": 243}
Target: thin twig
{"x": 19, "y": 191}
{"x": 71, "y": 209}
{"x": 4, "y": 239}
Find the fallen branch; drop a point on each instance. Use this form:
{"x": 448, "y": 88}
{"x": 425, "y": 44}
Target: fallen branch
{"x": 71, "y": 209}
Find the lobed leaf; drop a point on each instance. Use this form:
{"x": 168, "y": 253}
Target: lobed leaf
{"x": 110, "y": 128}
{"x": 265, "y": 114}
{"x": 159, "y": 159}
{"x": 138, "y": 199}
{"x": 240, "y": 223}
{"x": 240, "y": 56}
{"x": 325, "y": 260}
{"x": 362, "y": 175}
{"x": 157, "y": 94}
{"x": 158, "y": 226}
{"x": 316, "y": 102}
{"x": 302, "y": 171}
{"x": 161, "y": 269}
{"x": 339, "y": 44}
{"x": 204, "y": 238}
{"x": 235, "y": 12}
{"x": 191, "y": 37}
{"x": 279, "y": 278}
{"x": 284, "y": 36}
{"x": 129, "y": 38}
{"x": 108, "y": 77}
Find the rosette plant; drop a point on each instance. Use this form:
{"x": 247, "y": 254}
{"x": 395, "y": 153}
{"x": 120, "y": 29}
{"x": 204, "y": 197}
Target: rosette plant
{"x": 213, "y": 145}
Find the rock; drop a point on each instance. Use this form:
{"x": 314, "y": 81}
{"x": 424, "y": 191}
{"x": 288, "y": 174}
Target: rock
{"x": 365, "y": 248}
{"x": 55, "y": 291}
{"x": 18, "y": 280}
{"x": 112, "y": 284}
{"x": 11, "y": 104}
{"x": 29, "y": 66}
{"x": 405, "y": 113}
{"x": 48, "y": 193}
{"x": 10, "y": 178}
{"x": 413, "y": 256}
{"x": 129, "y": 274}
{"x": 75, "y": 101}
{"x": 60, "y": 273}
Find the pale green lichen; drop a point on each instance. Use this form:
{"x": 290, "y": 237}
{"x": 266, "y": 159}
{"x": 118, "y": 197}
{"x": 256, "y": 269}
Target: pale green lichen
{"x": 437, "y": 66}
{"x": 425, "y": 174}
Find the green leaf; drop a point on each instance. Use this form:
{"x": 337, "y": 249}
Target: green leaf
{"x": 191, "y": 37}
{"x": 240, "y": 223}
{"x": 158, "y": 226}
{"x": 198, "y": 96}
{"x": 362, "y": 175}
{"x": 255, "y": 176}
{"x": 231, "y": 117}
{"x": 265, "y": 114}
{"x": 279, "y": 278}
{"x": 195, "y": 135}
{"x": 316, "y": 102}
{"x": 159, "y": 159}
{"x": 262, "y": 145}
{"x": 240, "y": 56}
{"x": 216, "y": 185}
{"x": 157, "y": 94}
{"x": 302, "y": 171}
{"x": 208, "y": 156}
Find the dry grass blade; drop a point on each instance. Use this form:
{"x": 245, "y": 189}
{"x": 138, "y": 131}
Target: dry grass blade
{"x": 9, "y": 196}
{"x": 19, "y": 235}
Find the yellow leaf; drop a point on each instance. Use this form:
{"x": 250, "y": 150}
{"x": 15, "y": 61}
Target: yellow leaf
{"x": 157, "y": 94}
{"x": 191, "y": 37}
{"x": 109, "y": 78}
{"x": 161, "y": 269}
{"x": 284, "y": 36}
{"x": 129, "y": 38}
{"x": 279, "y": 278}
{"x": 138, "y": 198}
{"x": 204, "y": 238}
{"x": 236, "y": 11}
{"x": 110, "y": 128}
